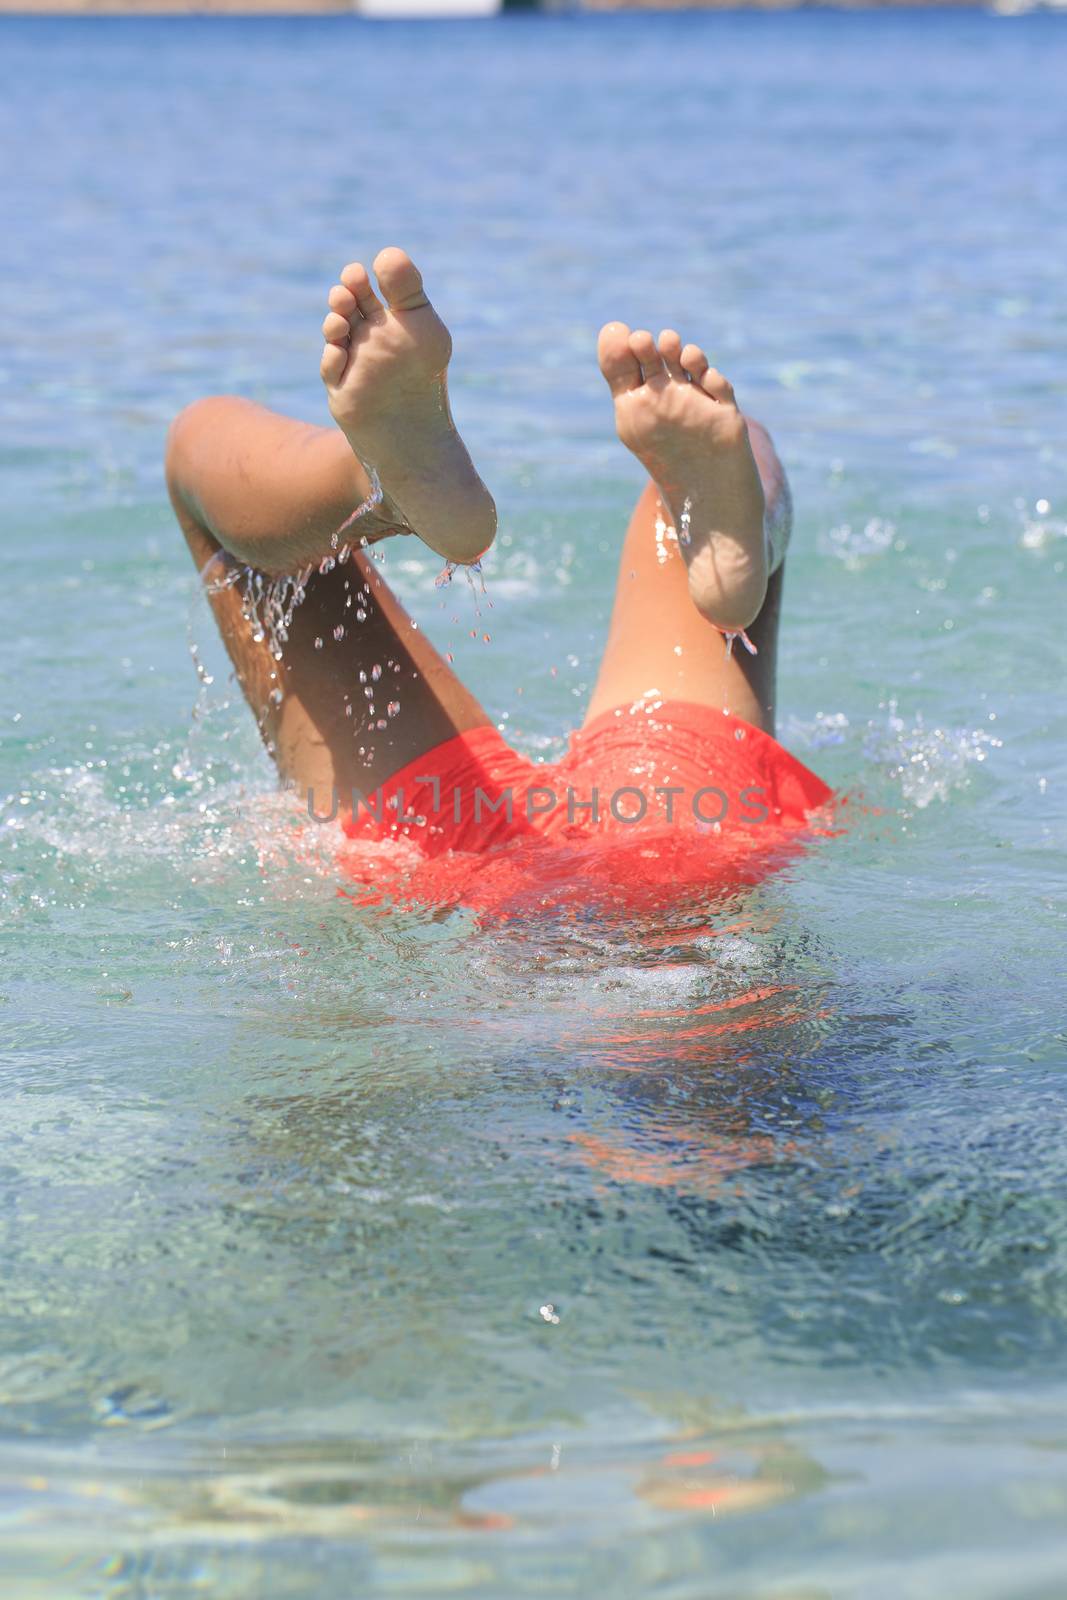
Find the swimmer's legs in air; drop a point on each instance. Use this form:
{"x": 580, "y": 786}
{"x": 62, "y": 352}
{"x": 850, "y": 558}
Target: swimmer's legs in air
{"x": 706, "y": 541}
{"x": 256, "y": 490}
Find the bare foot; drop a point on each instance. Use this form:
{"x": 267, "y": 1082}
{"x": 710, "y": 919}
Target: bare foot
{"x": 384, "y": 370}
{"x": 680, "y": 419}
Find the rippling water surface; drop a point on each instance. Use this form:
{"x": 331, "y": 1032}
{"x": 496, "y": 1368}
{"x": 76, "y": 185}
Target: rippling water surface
{"x": 360, "y": 1252}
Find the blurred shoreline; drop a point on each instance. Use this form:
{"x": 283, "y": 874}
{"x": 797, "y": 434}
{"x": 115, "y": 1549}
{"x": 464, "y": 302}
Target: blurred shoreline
{"x": 411, "y": 8}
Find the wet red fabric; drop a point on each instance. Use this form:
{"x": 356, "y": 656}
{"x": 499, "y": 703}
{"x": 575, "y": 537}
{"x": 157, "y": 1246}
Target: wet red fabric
{"x": 649, "y": 801}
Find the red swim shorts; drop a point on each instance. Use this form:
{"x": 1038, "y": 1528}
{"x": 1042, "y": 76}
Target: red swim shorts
{"x": 649, "y": 802}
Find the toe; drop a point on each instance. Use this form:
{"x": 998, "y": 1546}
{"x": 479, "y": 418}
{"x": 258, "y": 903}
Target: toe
{"x": 670, "y": 348}
{"x": 356, "y": 279}
{"x": 335, "y": 328}
{"x": 333, "y": 363}
{"x": 643, "y": 347}
{"x": 343, "y": 301}
{"x": 716, "y": 385}
{"x": 694, "y": 361}
{"x": 399, "y": 280}
{"x": 617, "y": 360}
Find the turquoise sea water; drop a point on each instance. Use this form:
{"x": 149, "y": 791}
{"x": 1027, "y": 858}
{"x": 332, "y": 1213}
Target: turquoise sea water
{"x": 383, "y": 1255}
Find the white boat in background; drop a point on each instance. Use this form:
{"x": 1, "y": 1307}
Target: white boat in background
{"x": 1023, "y": 8}
{"x": 413, "y": 9}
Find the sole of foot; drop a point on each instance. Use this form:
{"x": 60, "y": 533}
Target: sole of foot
{"x": 385, "y": 370}
{"x": 679, "y": 417}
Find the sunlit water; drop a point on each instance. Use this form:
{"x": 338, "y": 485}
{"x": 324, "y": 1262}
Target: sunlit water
{"x": 372, "y": 1253}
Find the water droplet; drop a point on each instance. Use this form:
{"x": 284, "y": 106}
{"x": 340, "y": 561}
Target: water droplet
{"x": 339, "y": 632}
{"x": 392, "y": 708}
{"x": 375, "y": 672}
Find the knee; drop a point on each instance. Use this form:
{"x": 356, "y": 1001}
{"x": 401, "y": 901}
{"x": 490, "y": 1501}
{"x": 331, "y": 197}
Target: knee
{"x": 191, "y": 429}
{"x": 200, "y": 420}
{"x": 186, "y": 424}
{"x": 191, "y": 419}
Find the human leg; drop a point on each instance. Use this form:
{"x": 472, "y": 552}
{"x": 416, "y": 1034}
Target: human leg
{"x": 659, "y": 642}
{"x": 353, "y": 691}
{"x": 680, "y": 418}
{"x": 384, "y": 367}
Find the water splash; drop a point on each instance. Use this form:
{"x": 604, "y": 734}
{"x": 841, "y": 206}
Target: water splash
{"x": 267, "y": 604}
{"x": 730, "y": 634}
{"x": 856, "y": 548}
{"x": 825, "y": 729}
{"x": 665, "y": 536}
{"x": 1041, "y": 529}
{"x": 444, "y": 579}
{"x": 373, "y": 500}
{"x": 927, "y": 763}
{"x": 448, "y": 571}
